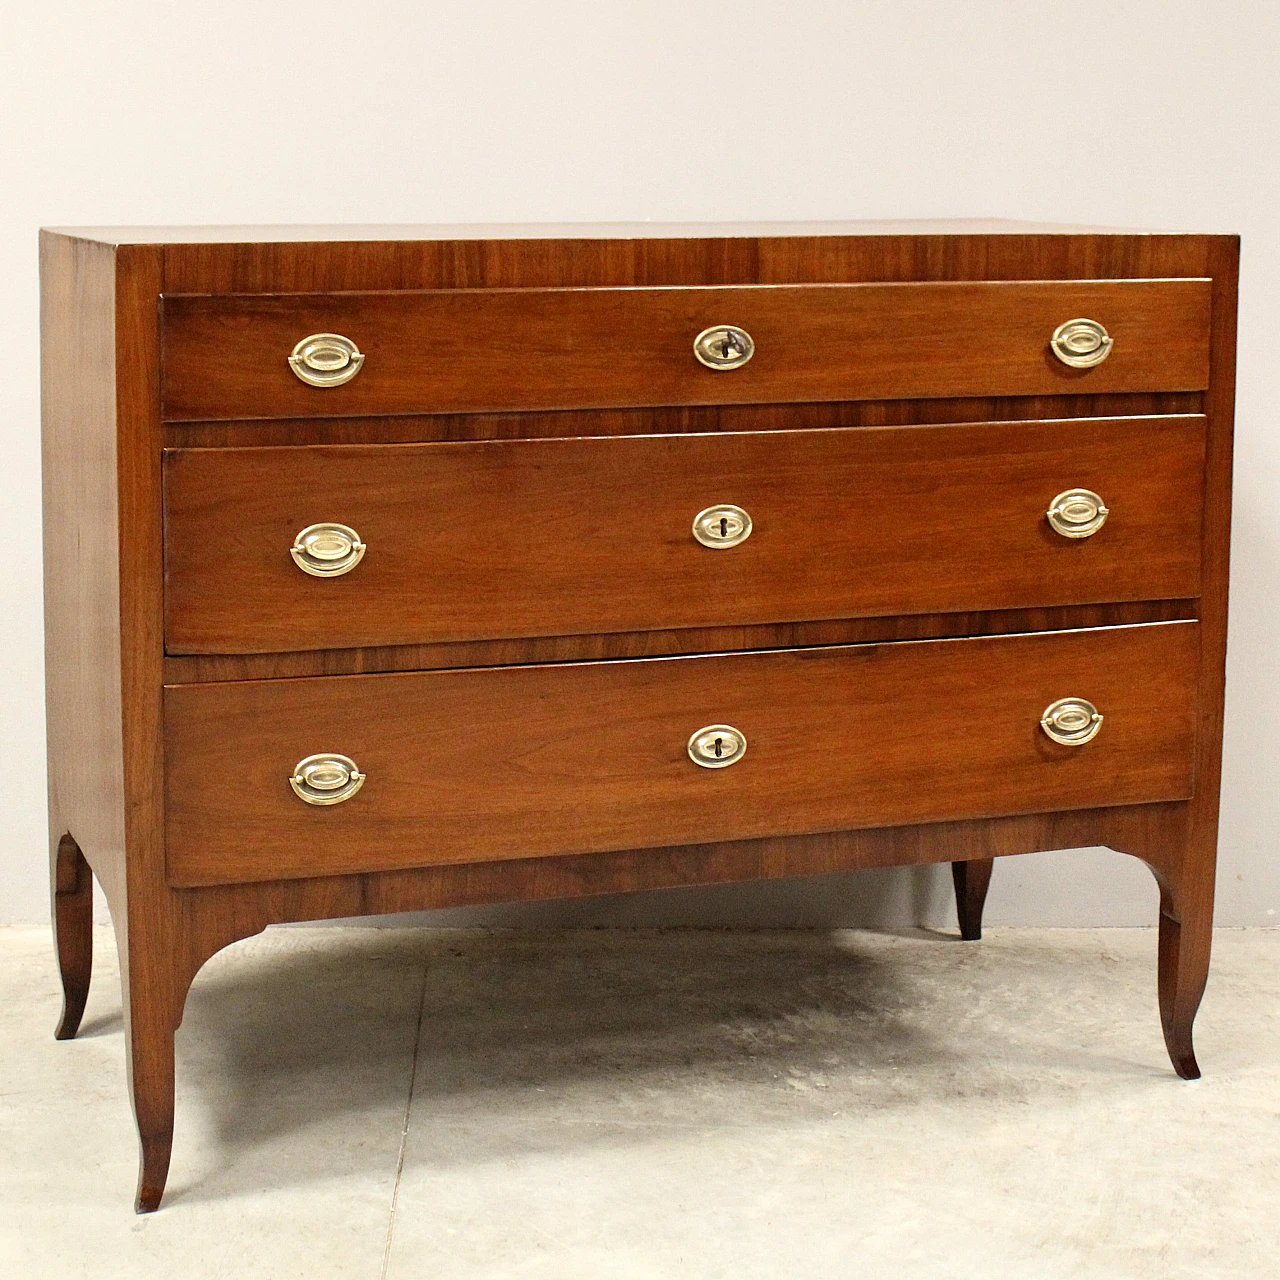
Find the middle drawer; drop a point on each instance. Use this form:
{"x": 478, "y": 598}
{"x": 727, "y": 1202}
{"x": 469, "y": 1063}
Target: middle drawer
{"x": 511, "y": 538}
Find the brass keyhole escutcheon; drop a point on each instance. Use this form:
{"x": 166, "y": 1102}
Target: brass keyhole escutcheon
{"x": 724, "y": 346}
{"x": 717, "y": 746}
{"x": 722, "y": 526}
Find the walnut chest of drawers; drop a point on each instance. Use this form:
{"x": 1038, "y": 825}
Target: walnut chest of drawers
{"x": 427, "y": 566}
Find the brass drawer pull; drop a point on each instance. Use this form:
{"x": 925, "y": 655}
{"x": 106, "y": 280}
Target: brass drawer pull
{"x": 1071, "y": 721}
{"x": 1081, "y": 343}
{"x": 1077, "y": 513}
{"x": 717, "y": 746}
{"x": 326, "y": 360}
{"x": 326, "y": 779}
{"x": 722, "y": 526}
{"x": 724, "y": 346}
{"x": 327, "y": 550}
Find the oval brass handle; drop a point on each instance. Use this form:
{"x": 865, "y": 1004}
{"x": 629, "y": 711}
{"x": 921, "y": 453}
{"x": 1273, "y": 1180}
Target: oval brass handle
{"x": 327, "y": 550}
{"x": 326, "y": 778}
{"x": 1071, "y": 721}
{"x": 722, "y": 526}
{"x": 717, "y": 746}
{"x": 326, "y": 360}
{"x": 724, "y": 346}
{"x": 1081, "y": 343}
{"x": 1077, "y": 513}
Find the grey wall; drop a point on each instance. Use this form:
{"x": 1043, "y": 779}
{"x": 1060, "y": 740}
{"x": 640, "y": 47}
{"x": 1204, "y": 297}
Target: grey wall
{"x": 1143, "y": 114}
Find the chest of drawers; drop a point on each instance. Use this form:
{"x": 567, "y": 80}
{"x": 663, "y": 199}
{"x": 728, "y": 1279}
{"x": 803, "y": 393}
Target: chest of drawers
{"x": 433, "y": 566}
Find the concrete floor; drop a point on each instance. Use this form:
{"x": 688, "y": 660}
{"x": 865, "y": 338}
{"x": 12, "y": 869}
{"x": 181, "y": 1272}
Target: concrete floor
{"x": 366, "y": 1103}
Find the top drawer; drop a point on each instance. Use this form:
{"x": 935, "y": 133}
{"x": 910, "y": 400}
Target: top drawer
{"x": 476, "y": 350}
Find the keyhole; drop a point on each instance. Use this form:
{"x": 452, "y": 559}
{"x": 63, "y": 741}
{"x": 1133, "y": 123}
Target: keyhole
{"x": 724, "y": 526}
{"x": 719, "y": 753}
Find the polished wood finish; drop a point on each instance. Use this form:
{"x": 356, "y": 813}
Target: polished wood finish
{"x": 104, "y": 642}
{"x": 502, "y": 762}
{"x": 72, "y": 933}
{"x": 480, "y": 350}
{"x": 971, "y": 879}
{"x": 561, "y": 537}
{"x": 673, "y": 419}
{"x": 271, "y": 260}
{"x": 104, "y": 437}
{"x": 82, "y": 556}
{"x": 189, "y": 668}
{"x": 1186, "y": 897}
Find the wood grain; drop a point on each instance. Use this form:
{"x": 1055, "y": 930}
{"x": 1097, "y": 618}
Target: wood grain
{"x": 103, "y": 557}
{"x": 217, "y": 915}
{"x": 561, "y": 537}
{"x": 1186, "y": 898}
{"x": 72, "y": 933}
{"x": 103, "y": 436}
{"x": 451, "y": 351}
{"x": 195, "y": 668}
{"x": 154, "y": 987}
{"x": 82, "y": 557}
{"x": 673, "y": 419}
{"x": 711, "y": 257}
{"x": 508, "y": 762}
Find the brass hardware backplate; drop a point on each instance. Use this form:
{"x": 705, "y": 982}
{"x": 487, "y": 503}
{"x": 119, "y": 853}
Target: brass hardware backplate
{"x": 724, "y": 346}
{"x": 717, "y": 746}
{"x": 326, "y": 778}
{"x": 1081, "y": 343}
{"x": 1077, "y": 513}
{"x": 1071, "y": 721}
{"x": 722, "y": 526}
{"x": 327, "y": 550}
{"x": 326, "y": 360}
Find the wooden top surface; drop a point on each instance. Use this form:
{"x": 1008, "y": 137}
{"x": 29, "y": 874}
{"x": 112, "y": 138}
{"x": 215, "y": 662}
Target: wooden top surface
{"x": 581, "y": 231}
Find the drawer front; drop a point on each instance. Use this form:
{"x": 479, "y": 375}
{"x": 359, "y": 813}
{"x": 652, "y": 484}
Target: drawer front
{"x": 514, "y": 762}
{"x": 500, "y": 539}
{"x": 227, "y": 357}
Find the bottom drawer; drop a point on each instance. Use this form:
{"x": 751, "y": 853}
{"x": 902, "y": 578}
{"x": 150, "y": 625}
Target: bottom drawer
{"x": 514, "y": 762}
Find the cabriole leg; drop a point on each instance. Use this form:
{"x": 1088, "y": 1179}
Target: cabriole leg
{"x": 72, "y": 932}
{"x": 151, "y": 1022}
{"x": 1186, "y": 933}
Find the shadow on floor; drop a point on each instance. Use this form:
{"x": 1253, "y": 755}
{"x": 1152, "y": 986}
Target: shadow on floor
{"x": 271, "y": 1033}
{"x": 615, "y": 1027}
{"x": 107, "y": 1024}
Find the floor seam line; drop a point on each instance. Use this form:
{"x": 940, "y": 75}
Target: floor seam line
{"x": 408, "y": 1111}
